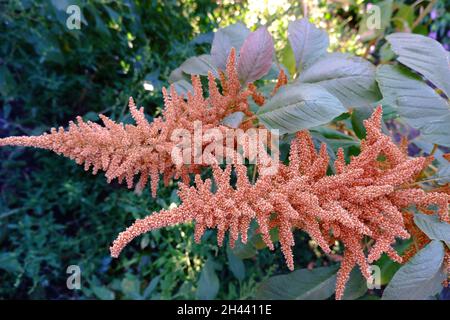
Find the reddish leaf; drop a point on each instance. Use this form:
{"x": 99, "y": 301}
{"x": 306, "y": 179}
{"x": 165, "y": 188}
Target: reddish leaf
{"x": 256, "y": 55}
{"x": 229, "y": 37}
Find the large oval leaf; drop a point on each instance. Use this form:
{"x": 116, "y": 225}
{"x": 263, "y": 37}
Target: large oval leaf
{"x": 389, "y": 267}
{"x": 423, "y": 55}
{"x": 254, "y": 243}
{"x": 416, "y": 102}
{"x": 421, "y": 277}
{"x": 244, "y": 250}
{"x": 103, "y": 293}
{"x": 333, "y": 138}
{"x": 234, "y": 119}
{"x": 255, "y": 58}
{"x": 442, "y": 176}
{"x": 200, "y": 65}
{"x": 235, "y": 264}
{"x": 356, "y": 285}
{"x": 295, "y": 107}
{"x": 303, "y": 284}
{"x": 208, "y": 283}
{"x": 351, "y": 79}
{"x": 9, "y": 262}
{"x": 433, "y": 227}
{"x": 183, "y": 87}
{"x": 224, "y": 39}
{"x": 308, "y": 42}
{"x": 176, "y": 74}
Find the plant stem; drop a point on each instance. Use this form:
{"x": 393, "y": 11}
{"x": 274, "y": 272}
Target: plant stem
{"x": 255, "y": 169}
{"x": 428, "y": 180}
{"x": 423, "y": 14}
{"x": 433, "y": 151}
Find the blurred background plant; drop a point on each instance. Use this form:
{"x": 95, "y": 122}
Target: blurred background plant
{"x": 53, "y": 215}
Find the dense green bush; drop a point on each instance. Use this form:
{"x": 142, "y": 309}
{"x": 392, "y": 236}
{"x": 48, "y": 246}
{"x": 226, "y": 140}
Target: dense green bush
{"x": 49, "y": 74}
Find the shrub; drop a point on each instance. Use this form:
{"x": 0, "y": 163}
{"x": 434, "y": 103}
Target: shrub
{"x": 365, "y": 204}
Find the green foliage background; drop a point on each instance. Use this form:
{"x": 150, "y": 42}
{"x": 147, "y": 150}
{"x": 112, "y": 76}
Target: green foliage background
{"x": 53, "y": 214}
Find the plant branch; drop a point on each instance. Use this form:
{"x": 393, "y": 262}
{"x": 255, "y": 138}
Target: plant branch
{"x": 423, "y": 14}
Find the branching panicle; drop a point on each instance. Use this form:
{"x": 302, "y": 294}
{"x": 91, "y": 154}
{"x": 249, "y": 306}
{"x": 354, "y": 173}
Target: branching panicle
{"x": 124, "y": 151}
{"x": 364, "y": 199}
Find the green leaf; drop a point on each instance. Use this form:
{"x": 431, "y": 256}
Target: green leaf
{"x": 7, "y": 83}
{"x": 113, "y": 15}
{"x": 176, "y": 74}
{"x": 91, "y": 116}
{"x": 145, "y": 241}
{"x": 356, "y": 285}
{"x": 199, "y": 65}
{"x": 151, "y": 287}
{"x": 183, "y": 87}
{"x": 386, "y": 54}
{"x": 100, "y": 25}
{"x": 236, "y": 265}
{"x": 258, "y": 241}
{"x": 288, "y": 59}
{"x": 433, "y": 227}
{"x": 308, "y": 42}
{"x": 130, "y": 286}
{"x": 342, "y": 117}
{"x": 388, "y": 267}
{"x": 303, "y": 284}
{"x": 208, "y": 283}
{"x": 334, "y": 138}
{"x": 416, "y": 102}
{"x": 295, "y": 107}
{"x": 423, "y": 55}
{"x": 60, "y": 4}
{"x": 404, "y": 18}
{"x": 267, "y": 87}
{"x": 9, "y": 262}
{"x": 234, "y": 119}
{"x": 421, "y": 277}
{"x": 103, "y": 293}
{"x": 444, "y": 173}
{"x": 350, "y": 79}
{"x": 248, "y": 250}
{"x": 358, "y": 117}
{"x": 244, "y": 250}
